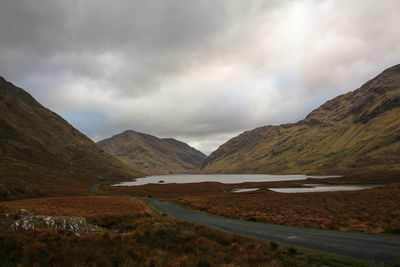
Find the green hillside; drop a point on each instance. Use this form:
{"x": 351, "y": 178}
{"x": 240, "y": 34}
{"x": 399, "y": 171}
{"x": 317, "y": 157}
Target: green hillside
{"x": 357, "y": 132}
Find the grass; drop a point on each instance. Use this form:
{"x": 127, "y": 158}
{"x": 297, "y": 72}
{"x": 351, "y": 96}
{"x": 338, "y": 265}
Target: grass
{"x": 130, "y": 239}
{"x": 371, "y": 211}
{"x": 156, "y": 210}
{"x": 374, "y": 210}
{"x": 83, "y": 206}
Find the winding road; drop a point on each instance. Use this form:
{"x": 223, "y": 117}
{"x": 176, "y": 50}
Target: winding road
{"x": 380, "y": 248}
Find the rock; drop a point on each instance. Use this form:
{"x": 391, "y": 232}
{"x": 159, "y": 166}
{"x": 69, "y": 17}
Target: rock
{"x": 27, "y": 221}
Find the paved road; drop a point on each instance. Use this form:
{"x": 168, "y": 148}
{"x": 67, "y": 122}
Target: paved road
{"x": 373, "y": 247}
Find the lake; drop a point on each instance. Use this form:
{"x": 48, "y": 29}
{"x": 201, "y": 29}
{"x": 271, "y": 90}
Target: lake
{"x": 221, "y": 178}
{"x": 321, "y": 188}
{"x": 244, "y": 190}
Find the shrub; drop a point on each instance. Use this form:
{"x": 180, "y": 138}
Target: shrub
{"x": 252, "y": 219}
{"x": 273, "y": 245}
{"x": 292, "y": 251}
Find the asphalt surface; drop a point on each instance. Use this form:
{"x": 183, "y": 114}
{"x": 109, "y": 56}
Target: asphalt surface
{"x": 379, "y": 248}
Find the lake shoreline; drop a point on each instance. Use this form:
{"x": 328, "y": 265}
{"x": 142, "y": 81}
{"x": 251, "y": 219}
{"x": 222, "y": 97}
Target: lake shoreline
{"x": 221, "y": 178}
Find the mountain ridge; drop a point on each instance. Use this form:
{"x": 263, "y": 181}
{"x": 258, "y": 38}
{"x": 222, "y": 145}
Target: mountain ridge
{"x": 353, "y": 132}
{"x": 151, "y": 154}
{"x": 41, "y": 153}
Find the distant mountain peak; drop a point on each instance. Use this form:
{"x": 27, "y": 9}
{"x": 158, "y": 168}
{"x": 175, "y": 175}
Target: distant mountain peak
{"x": 151, "y": 154}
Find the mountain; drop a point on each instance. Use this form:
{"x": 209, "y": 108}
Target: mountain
{"x": 41, "y": 153}
{"x": 153, "y": 155}
{"x": 357, "y": 132}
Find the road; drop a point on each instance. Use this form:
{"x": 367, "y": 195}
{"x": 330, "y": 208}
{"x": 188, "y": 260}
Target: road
{"x": 380, "y": 248}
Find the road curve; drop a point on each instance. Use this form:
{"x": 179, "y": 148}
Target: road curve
{"x": 380, "y": 248}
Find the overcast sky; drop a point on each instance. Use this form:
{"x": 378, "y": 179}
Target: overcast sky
{"x": 198, "y": 71}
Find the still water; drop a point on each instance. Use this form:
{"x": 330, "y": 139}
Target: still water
{"x": 321, "y": 188}
{"x": 243, "y": 190}
{"x": 221, "y": 178}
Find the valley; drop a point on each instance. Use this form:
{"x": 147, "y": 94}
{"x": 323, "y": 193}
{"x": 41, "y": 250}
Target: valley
{"x": 199, "y": 133}
{"x": 370, "y": 210}
{"x": 58, "y": 187}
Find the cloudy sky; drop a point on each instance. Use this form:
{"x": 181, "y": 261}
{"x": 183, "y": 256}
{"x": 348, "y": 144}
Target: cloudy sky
{"x": 198, "y": 71}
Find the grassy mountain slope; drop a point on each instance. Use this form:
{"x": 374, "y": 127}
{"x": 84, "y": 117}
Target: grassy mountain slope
{"x": 357, "y": 132}
{"x": 151, "y": 154}
{"x": 41, "y": 153}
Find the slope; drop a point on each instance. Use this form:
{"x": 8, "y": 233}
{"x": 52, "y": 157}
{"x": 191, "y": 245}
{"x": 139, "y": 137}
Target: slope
{"x": 151, "y": 154}
{"x": 357, "y": 132}
{"x": 41, "y": 153}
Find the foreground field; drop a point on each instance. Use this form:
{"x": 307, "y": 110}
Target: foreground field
{"x": 84, "y": 206}
{"x": 374, "y": 210}
{"x": 134, "y": 235}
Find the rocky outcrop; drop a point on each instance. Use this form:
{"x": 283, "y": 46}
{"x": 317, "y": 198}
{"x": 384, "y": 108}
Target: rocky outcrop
{"x": 27, "y": 221}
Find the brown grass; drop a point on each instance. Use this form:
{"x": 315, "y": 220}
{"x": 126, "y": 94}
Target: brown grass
{"x": 374, "y": 210}
{"x": 136, "y": 240}
{"x": 84, "y": 206}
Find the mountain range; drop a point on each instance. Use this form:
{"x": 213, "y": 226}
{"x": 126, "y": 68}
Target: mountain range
{"x": 357, "y": 132}
{"x": 41, "y": 153}
{"x": 153, "y": 155}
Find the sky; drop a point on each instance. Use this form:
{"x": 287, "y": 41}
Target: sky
{"x": 198, "y": 71}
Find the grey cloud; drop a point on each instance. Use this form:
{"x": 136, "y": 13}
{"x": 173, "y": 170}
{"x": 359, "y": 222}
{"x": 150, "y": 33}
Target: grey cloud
{"x": 150, "y": 34}
{"x": 199, "y": 70}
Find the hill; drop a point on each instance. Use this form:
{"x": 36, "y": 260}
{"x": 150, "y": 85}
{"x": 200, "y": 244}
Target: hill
{"x": 153, "y": 155}
{"x": 357, "y": 132}
{"x": 41, "y": 153}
